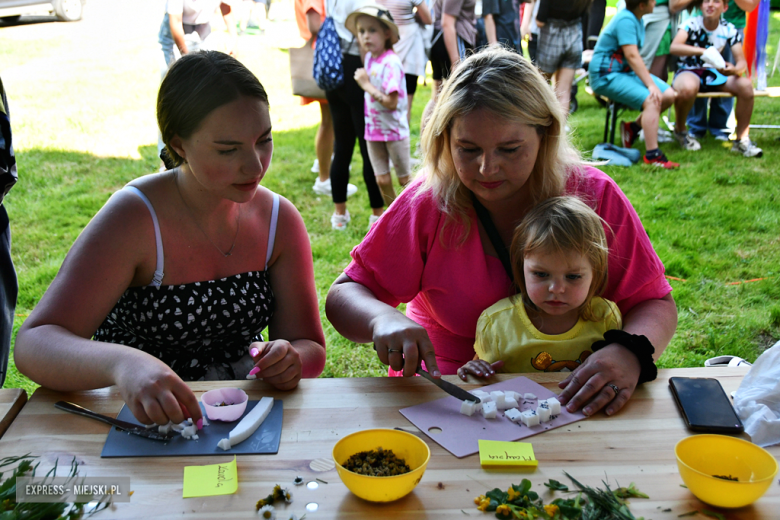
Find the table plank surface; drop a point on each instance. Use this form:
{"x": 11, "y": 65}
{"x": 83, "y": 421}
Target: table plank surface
{"x": 11, "y": 402}
{"x": 636, "y": 445}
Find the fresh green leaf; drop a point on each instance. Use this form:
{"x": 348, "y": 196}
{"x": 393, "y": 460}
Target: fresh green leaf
{"x": 556, "y": 486}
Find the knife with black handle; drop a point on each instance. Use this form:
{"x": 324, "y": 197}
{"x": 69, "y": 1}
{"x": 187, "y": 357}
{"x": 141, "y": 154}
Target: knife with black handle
{"x": 453, "y": 390}
{"x": 135, "y": 429}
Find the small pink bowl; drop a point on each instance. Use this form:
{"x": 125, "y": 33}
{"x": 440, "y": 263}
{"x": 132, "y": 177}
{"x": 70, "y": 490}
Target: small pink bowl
{"x": 235, "y": 401}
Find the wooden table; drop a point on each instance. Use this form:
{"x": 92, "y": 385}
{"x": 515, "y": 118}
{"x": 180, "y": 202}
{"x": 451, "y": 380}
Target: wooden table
{"x": 11, "y": 401}
{"x": 637, "y": 445}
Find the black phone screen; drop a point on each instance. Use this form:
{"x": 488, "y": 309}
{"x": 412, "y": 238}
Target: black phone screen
{"x": 704, "y": 405}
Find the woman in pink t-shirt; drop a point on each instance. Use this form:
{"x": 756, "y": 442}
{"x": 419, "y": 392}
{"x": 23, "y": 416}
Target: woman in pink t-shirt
{"x": 495, "y": 144}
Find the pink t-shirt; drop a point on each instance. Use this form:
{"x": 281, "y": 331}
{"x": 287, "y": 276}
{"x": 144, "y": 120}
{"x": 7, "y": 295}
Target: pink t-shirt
{"x": 403, "y": 260}
{"x": 387, "y": 74}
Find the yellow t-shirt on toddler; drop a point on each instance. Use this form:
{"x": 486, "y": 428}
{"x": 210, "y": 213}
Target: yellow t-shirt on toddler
{"x": 505, "y": 332}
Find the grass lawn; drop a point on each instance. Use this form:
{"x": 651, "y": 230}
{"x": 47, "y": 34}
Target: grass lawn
{"x": 82, "y": 101}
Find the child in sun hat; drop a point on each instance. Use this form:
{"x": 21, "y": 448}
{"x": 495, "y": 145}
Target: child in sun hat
{"x": 559, "y": 258}
{"x": 384, "y": 83}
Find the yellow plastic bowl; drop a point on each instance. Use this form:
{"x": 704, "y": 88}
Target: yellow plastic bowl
{"x": 701, "y": 456}
{"x": 382, "y": 489}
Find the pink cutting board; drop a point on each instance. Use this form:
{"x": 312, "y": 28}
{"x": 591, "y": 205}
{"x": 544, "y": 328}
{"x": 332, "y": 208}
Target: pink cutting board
{"x": 460, "y": 433}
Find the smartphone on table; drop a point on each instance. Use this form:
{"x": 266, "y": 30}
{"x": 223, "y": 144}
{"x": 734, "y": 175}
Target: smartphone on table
{"x": 704, "y": 405}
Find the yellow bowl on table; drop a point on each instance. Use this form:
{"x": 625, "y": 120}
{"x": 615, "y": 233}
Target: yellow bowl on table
{"x": 382, "y": 489}
{"x": 701, "y": 457}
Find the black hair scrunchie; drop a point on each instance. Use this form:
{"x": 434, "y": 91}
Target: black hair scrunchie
{"x": 639, "y": 345}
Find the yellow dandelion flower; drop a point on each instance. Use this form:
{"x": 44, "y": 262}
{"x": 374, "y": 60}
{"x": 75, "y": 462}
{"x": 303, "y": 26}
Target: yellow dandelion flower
{"x": 484, "y": 504}
{"x": 503, "y": 509}
{"x": 512, "y": 493}
{"x": 478, "y": 500}
{"x": 551, "y": 509}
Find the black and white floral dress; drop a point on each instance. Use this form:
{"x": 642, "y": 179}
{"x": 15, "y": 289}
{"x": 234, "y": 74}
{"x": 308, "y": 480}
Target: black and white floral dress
{"x": 202, "y": 330}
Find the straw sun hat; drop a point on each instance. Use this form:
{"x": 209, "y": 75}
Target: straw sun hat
{"x": 374, "y": 11}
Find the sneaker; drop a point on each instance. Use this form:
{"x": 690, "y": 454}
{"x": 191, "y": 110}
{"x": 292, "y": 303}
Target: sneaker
{"x": 372, "y": 220}
{"x": 664, "y": 136}
{"x": 747, "y": 148}
{"x": 315, "y": 168}
{"x": 686, "y": 141}
{"x": 721, "y": 137}
{"x": 627, "y": 134}
{"x": 324, "y": 188}
{"x": 339, "y": 222}
{"x": 661, "y": 161}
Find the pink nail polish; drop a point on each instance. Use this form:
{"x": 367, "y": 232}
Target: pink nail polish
{"x": 200, "y": 423}
{"x": 254, "y": 352}
{"x": 254, "y": 371}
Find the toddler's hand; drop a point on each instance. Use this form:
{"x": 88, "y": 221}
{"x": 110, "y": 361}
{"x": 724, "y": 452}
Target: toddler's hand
{"x": 479, "y": 368}
{"x": 278, "y": 362}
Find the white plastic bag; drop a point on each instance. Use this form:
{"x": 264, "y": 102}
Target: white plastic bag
{"x": 757, "y": 400}
{"x": 712, "y": 57}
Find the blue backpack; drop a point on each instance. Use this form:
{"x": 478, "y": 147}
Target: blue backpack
{"x": 328, "y": 71}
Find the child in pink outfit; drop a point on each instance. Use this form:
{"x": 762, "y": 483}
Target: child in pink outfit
{"x": 384, "y": 83}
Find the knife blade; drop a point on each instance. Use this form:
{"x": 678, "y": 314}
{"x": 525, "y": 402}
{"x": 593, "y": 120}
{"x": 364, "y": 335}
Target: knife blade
{"x": 453, "y": 390}
{"x": 135, "y": 429}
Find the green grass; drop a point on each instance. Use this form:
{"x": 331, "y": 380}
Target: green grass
{"x": 84, "y": 126}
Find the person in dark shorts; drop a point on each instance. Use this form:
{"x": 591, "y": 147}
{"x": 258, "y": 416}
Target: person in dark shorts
{"x": 9, "y": 287}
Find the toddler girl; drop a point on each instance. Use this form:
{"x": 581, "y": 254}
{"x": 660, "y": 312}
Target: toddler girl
{"x": 559, "y": 260}
{"x": 384, "y": 83}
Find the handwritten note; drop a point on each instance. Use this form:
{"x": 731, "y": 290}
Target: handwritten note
{"x": 206, "y": 481}
{"x": 502, "y": 453}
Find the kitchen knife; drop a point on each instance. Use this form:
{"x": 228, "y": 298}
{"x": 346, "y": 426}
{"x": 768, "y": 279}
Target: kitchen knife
{"x": 448, "y": 387}
{"x": 135, "y": 429}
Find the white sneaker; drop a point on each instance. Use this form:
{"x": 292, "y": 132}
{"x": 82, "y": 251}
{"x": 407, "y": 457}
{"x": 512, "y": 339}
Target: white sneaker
{"x": 339, "y": 222}
{"x": 685, "y": 140}
{"x": 324, "y": 188}
{"x": 664, "y": 136}
{"x": 372, "y": 220}
{"x": 315, "y": 168}
{"x": 747, "y": 148}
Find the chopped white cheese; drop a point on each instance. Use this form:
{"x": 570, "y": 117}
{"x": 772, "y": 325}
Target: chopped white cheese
{"x": 543, "y": 411}
{"x": 469, "y": 407}
{"x": 224, "y": 444}
{"x": 489, "y": 410}
{"x": 165, "y": 428}
{"x": 189, "y": 431}
{"x": 513, "y": 414}
{"x": 498, "y": 397}
{"x": 483, "y": 396}
{"x": 529, "y": 418}
{"x": 529, "y": 395}
{"x": 554, "y": 405}
{"x": 510, "y": 402}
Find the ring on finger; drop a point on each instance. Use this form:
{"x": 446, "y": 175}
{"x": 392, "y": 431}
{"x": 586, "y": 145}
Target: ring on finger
{"x": 614, "y": 387}
{"x": 391, "y": 350}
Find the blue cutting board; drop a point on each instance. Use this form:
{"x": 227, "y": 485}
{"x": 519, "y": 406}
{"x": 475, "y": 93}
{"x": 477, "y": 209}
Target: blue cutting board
{"x": 265, "y": 439}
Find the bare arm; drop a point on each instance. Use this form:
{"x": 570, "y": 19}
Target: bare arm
{"x": 389, "y": 101}
{"x": 490, "y": 29}
{"x": 359, "y": 316}
{"x": 450, "y": 36}
{"x": 747, "y": 5}
{"x": 53, "y": 347}
{"x": 588, "y": 386}
{"x": 675, "y": 6}
{"x": 740, "y": 66}
{"x": 177, "y": 32}
{"x": 227, "y": 14}
{"x": 528, "y": 13}
{"x": 313, "y": 21}
{"x": 678, "y": 46}
{"x": 296, "y": 346}
{"x": 631, "y": 52}
{"x": 422, "y": 14}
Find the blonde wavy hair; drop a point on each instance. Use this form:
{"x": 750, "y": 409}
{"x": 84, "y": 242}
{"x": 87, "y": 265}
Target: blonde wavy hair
{"x": 511, "y": 87}
{"x": 562, "y": 225}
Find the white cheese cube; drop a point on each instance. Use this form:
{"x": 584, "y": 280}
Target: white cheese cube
{"x": 489, "y": 410}
{"x": 513, "y": 414}
{"x": 469, "y": 407}
{"x": 543, "y": 412}
{"x": 510, "y": 402}
{"x": 529, "y": 396}
{"x": 555, "y": 406}
{"x": 498, "y": 397}
{"x": 512, "y": 394}
{"x": 529, "y": 418}
{"x": 483, "y": 396}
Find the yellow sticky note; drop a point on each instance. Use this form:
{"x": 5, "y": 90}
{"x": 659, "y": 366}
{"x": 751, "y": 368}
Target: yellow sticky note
{"x": 502, "y": 453}
{"x": 215, "y": 479}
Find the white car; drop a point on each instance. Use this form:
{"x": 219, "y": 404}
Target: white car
{"x": 66, "y": 10}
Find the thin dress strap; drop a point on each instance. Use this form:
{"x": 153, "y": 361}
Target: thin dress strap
{"x": 158, "y": 273}
{"x": 272, "y": 230}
